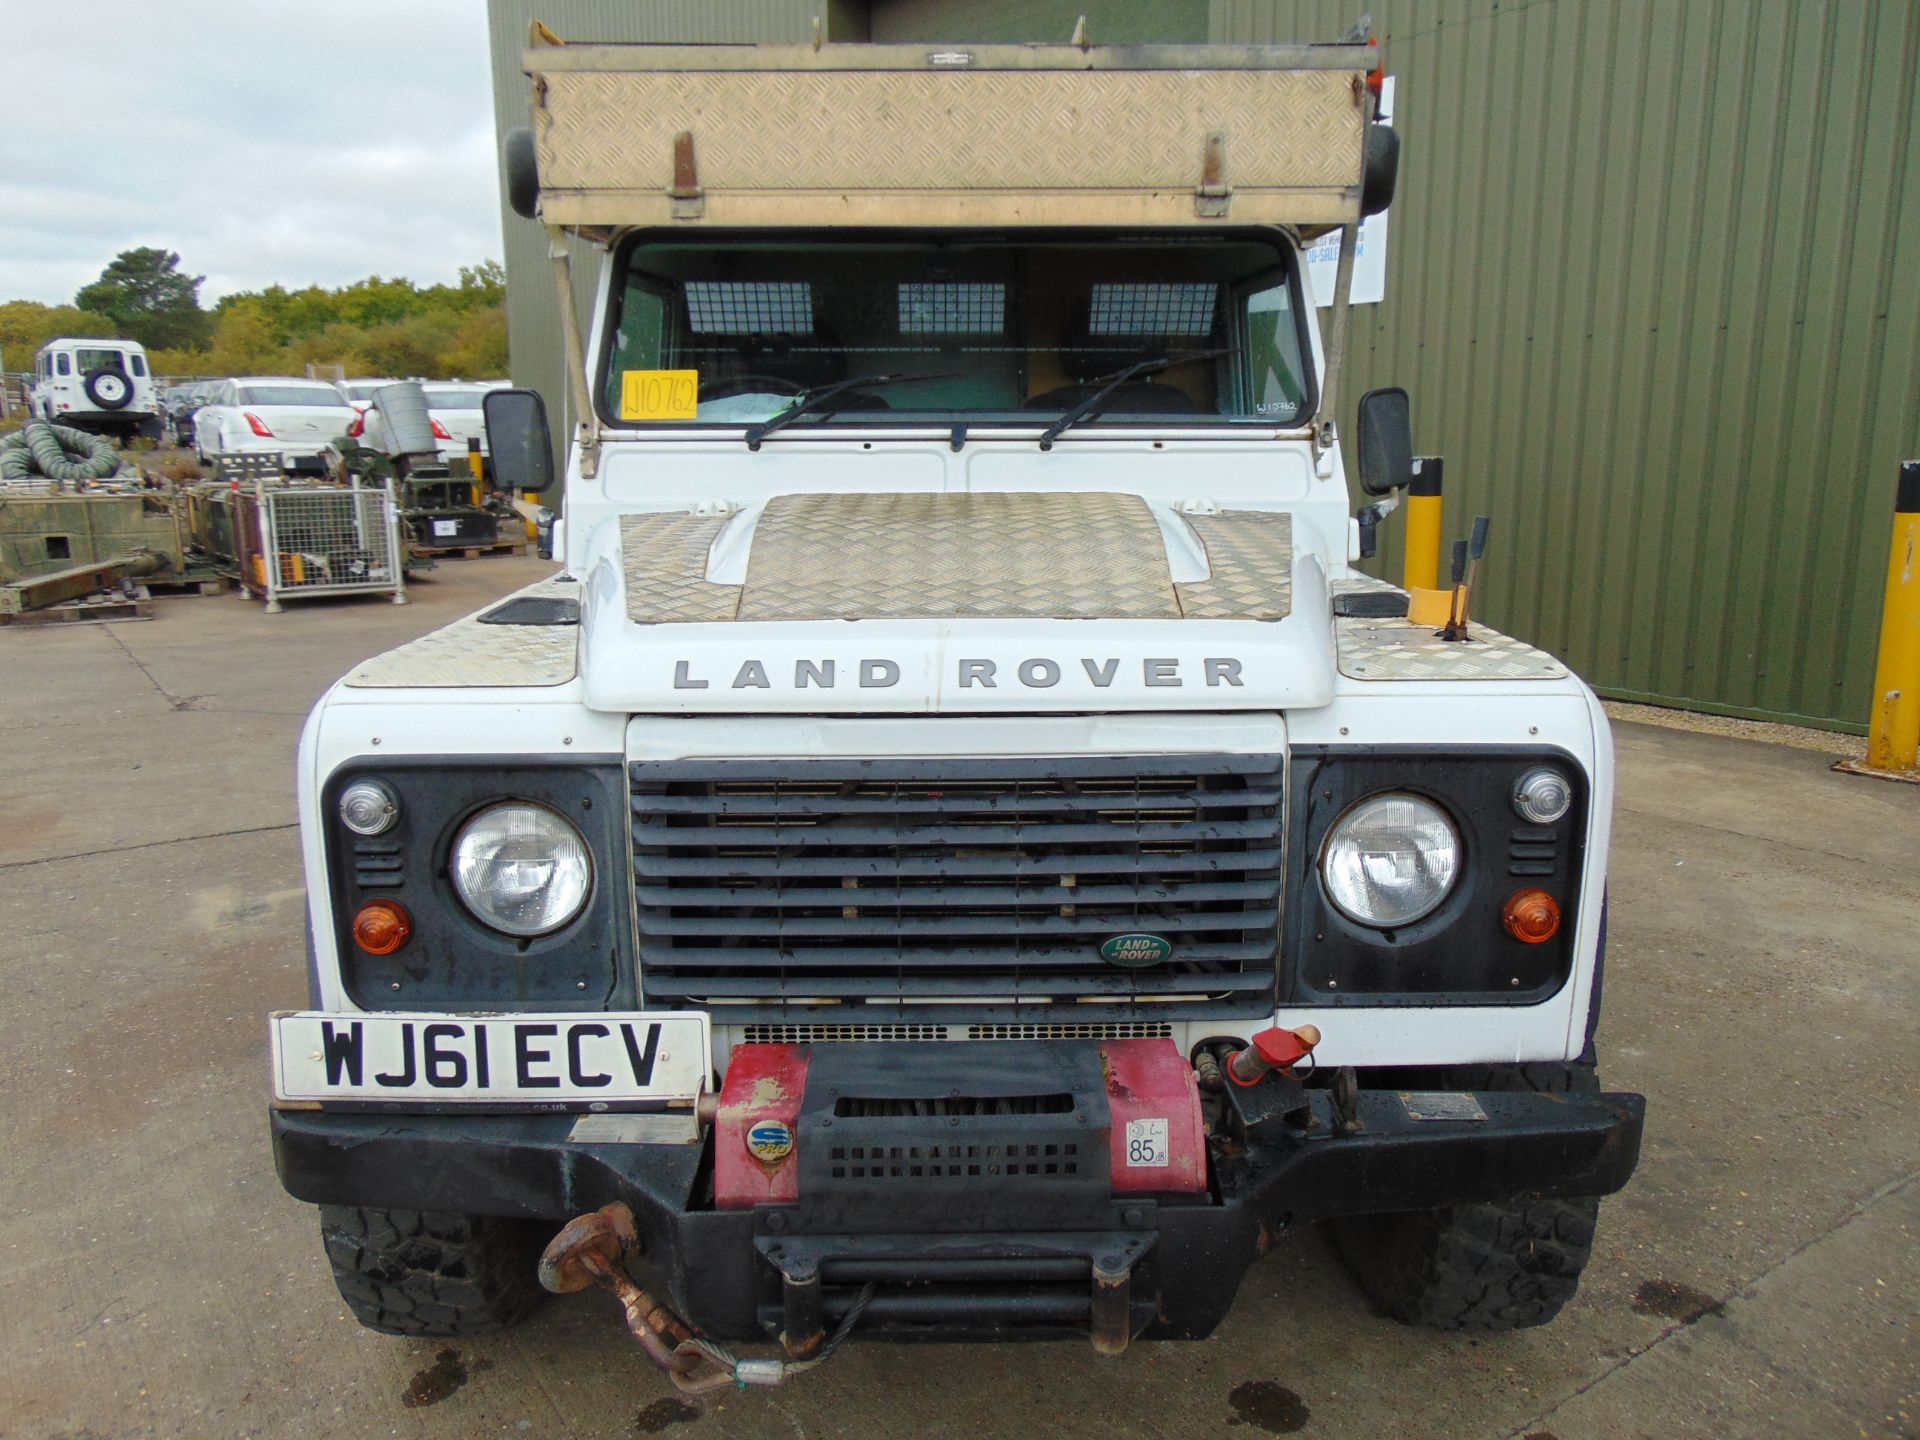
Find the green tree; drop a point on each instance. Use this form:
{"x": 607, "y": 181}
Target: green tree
{"x": 26, "y": 325}
{"x": 143, "y": 292}
{"x": 244, "y": 342}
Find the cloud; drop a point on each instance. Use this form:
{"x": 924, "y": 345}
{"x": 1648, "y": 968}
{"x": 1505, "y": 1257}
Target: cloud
{"x": 267, "y": 142}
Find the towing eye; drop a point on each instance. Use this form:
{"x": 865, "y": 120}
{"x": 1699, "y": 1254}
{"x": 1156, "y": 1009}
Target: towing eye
{"x": 592, "y": 1249}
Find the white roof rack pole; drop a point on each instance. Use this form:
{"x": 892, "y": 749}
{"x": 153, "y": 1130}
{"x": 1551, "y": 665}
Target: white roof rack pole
{"x": 586, "y": 423}
{"x": 1324, "y": 426}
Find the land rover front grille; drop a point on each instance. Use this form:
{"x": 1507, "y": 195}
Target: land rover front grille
{"x": 873, "y": 891}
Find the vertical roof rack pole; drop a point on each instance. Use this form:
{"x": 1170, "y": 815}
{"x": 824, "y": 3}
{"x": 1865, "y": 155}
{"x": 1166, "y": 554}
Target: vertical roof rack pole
{"x": 1326, "y": 426}
{"x": 586, "y": 423}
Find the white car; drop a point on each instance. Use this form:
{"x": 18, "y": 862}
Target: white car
{"x": 103, "y": 386}
{"x": 454, "y": 409}
{"x": 269, "y": 414}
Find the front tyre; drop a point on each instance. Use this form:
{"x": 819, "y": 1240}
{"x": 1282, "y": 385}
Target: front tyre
{"x": 423, "y": 1272}
{"x": 1488, "y": 1267}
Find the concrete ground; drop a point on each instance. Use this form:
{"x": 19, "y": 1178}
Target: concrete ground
{"x": 1759, "y": 1278}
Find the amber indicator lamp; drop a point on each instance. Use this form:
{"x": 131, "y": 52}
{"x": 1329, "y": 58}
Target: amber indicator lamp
{"x": 1532, "y": 916}
{"x": 382, "y": 927}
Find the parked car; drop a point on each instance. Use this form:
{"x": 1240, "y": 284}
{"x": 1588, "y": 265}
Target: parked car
{"x": 102, "y": 386}
{"x": 260, "y": 414}
{"x": 454, "y": 409}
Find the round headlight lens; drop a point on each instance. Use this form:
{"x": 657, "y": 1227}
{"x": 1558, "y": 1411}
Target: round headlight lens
{"x": 1390, "y": 860}
{"x": 1542, "y": 795}
{"x": 521, "y": 869}
{"x": 368, "y": 807}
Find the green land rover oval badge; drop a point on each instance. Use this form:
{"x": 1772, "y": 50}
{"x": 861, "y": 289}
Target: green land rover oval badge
{"x": 1136, "y": 951}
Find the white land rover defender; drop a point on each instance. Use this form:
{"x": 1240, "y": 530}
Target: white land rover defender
{"x": 958, "y": 850}
{"x": 102, "y": 386}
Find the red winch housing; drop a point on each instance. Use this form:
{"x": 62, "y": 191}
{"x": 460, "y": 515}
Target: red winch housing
{"x": 1152, "y": 1098}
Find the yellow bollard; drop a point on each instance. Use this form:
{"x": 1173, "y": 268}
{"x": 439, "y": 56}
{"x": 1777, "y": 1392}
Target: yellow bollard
{"x": 1893, "y": 729}
{"x": 477, "y": 467}
{"x": 1423, "y": 526}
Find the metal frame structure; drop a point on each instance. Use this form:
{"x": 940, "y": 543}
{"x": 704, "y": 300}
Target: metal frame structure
{"x": 324, "y": 540}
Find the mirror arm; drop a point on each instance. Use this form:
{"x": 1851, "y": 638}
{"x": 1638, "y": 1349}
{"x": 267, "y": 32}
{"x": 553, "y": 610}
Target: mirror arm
{"x": 1368, "y": 518}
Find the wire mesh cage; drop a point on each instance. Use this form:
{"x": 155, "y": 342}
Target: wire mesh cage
{"x": 297, "y": 541}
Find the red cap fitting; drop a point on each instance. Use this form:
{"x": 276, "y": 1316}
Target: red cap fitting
{"x": 1273, "y": 1049}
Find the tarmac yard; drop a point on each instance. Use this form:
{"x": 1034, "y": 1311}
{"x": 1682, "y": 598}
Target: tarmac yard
{"x": 1760, "y": 1277}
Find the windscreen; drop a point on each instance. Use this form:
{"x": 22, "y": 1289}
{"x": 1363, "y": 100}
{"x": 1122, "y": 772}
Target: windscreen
{"x": 452, "y": 397}
{"x": 310, "y": 396}
{"x": 1019, "y": 331}
{"x": 100, "y": 360}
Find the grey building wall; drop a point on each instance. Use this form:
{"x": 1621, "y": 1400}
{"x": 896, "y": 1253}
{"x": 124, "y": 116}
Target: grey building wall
{"x": 1651, "y": 281}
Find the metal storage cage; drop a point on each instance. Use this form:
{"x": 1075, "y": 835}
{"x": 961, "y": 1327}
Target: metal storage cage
{"x": 307, "y": 540}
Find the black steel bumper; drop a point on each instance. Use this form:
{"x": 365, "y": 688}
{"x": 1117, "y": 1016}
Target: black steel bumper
{"x": 740, "y": 1274}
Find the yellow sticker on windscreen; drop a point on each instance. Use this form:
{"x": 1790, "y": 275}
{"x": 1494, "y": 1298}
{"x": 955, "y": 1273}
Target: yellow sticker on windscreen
{"x": 659, "y": 394}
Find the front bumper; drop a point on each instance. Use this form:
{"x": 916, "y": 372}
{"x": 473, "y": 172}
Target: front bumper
{"x": 732, "y": 1274}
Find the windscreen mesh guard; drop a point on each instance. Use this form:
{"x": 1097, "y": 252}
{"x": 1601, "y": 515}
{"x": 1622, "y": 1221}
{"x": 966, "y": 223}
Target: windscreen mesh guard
{"x": 1185, "y": 308}
{"x": 770, "y": 307}
{"x": 941, "y": 308}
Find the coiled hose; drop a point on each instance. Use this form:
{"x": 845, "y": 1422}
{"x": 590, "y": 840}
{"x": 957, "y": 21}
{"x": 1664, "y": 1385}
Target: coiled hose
{"x": 59, "y": 452}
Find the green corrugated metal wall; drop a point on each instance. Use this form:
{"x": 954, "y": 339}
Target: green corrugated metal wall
{"x": 1654, "y": 284}
{"x": 1653, "y": 281}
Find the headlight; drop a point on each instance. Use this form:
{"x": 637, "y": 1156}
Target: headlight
{"x": 1390, "y": 860}
{"x": 521, "y": 869}
{"x": 368, "y": 807}
{"x": 1542, "y": 795}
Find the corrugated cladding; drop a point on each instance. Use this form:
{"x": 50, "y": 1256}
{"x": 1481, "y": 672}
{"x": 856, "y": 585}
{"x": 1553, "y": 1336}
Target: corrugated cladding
{"x": 1654, "y": 285}
{"x": 1653, "y": 282}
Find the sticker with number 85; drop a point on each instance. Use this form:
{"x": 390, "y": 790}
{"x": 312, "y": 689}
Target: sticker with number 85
{"x": 1147, "y": 1142}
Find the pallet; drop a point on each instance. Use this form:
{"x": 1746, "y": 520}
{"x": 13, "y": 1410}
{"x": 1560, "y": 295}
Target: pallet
{"x": 199, "y": 584}
{"x": 473, "y": 552}
{"x": 94, "y": 610}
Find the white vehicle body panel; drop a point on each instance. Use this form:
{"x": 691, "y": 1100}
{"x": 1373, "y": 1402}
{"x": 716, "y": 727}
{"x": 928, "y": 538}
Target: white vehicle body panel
{"x": 61, "y": 396}
{"x": 623, "y": 704}
{"x": 300, "y": 431}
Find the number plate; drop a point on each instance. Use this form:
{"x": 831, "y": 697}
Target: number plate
{"x": 575, "y": 1061}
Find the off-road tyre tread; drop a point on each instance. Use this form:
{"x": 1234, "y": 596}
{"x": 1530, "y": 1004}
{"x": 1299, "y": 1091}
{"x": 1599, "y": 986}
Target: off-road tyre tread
{"x": 425, "y": 1272}
{"x": 1486, "y": 1267}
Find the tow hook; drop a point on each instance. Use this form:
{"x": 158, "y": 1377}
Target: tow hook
{"x": 1272, "y": 1049}
{"x": 592, "y": 1249}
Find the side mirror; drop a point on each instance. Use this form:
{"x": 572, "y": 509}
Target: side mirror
{"x": 1382, "y": 168}
{"x": 519, "y": 441}
{"x": 1386, "y": 441}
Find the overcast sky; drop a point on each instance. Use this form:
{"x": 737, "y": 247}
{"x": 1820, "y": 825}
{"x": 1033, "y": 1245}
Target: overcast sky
{"x": 267, "y": 142}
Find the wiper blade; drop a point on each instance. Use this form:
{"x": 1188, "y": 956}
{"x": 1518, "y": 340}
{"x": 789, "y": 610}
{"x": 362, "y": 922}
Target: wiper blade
{"x": 1096, "y": 402}
{"x": 818, "y": 400}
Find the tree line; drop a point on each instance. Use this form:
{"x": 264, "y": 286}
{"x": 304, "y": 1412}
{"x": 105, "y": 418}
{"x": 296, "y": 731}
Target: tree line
{"x": 374, "y": 326}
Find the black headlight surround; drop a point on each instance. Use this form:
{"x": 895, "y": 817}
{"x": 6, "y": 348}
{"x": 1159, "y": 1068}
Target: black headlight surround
{"x": 454, "y": 960}
{"x": 1460, "y": 953}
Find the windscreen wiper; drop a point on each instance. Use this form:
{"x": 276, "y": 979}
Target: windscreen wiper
{"x": 818, "y": 401}
{"x": 1096, "y": 402}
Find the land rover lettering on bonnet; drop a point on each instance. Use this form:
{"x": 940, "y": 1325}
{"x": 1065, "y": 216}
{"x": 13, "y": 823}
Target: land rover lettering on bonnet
{"x": 959, "y": 848}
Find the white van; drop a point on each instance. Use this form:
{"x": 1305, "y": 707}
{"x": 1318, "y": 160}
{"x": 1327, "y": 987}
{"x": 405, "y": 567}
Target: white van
{"x": 104, "y": 386}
